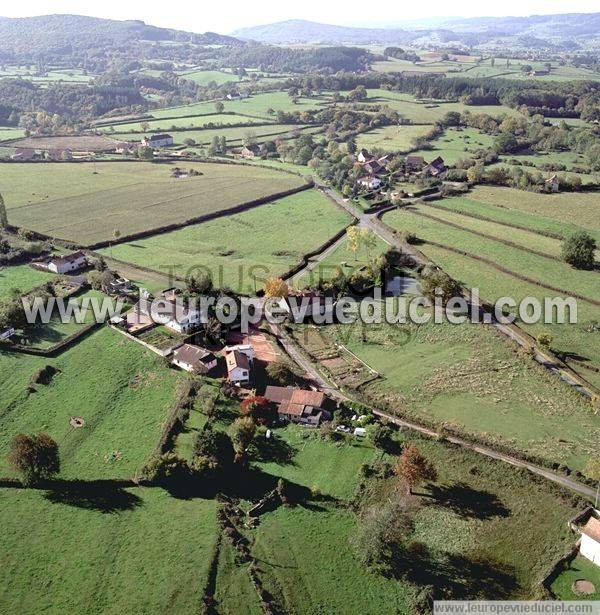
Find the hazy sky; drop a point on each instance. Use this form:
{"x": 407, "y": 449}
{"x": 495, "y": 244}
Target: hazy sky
{"x": 223, "y": 17}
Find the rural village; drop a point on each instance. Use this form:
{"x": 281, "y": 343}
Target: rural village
{"x": 161, "y": 460}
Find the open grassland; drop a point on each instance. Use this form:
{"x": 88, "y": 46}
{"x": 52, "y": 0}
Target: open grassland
{"x": 260, "y": 105}
{"x": 523, "y": 238}
{"x": 305, "y": 559}
{"x": 173, "y": 123}
{"x": 61, "y": 551}
{"x": 582, "y": 209}
{"x": 454, "y": 145}
{"x": 468, "y": 377}
{"x": 544, "y": 270}
{"x": 121, "y": 390}
{"x": 9, "y": 132}
{"x": 577, "y": 340}
{"x": 420, "y": 112}
{"x": 260, "y": 243}
{"x": 330, "y": 467}
{"x": 86, "y": 202}
{"x": 391, "y": 138}
{"x": 21, "y": 277}
{"x": 486, "y": 526}
{"x": 580, "y": 568}
{"x": 468, "y": 67}
{"x": 204, "y": 77}
{"x": 536, "y": 222}
{"x": 87, "y": 143}
{"x": 233, "y": 135}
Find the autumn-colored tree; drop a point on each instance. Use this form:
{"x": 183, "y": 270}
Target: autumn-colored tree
{"x": 413, "y": 468}
{"x": 35, "y": 457}
{"x": 276, "y": 287}
{"x": 281, "y": 372}
{"x": 258, "y": 408}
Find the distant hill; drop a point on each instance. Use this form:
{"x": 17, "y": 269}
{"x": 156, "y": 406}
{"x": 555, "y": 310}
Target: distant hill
{"x": 62, "y": 33}
{"x": 469, "y": 31}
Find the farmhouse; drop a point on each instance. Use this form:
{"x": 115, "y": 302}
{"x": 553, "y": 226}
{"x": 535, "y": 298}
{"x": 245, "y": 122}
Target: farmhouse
{"x": 237, "y": 96}
{"x": 249, "y": 151}
{"x": 158, "y": 140}
{"x": 363, "y": 155}
{"x": 194, "y": 359}
{"x": 173, "y": 315}
{"x": 435, "y": 168}
{"x": 299, "y": 405}
{"x": 414, "y": 163}
{"x": 369, "y": 181}
{"x": 238, "y": 366}
{"x": 373, "y": 167}
{"x": 587, "y": 524}
{"x": 68, "y": 263}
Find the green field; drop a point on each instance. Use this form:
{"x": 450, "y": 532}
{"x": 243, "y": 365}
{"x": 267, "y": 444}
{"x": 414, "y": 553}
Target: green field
{"x": 454, "y": 145}
{"x": 262, "y": 242}
{"x": 62, "y": 552}
{"x": 478, "y": 510}
{"x": 8, "y": 132}
{"x": 578, "y": 569}
{"x": 234, "y": 136}
{"x": 331, "y": 468}
{"x": 173, "y": 123}
{"x": 582, "y": 209}
{"x": 87, "y": 202}
{"x": 536, "y": 222}
{"x": 21, "y": 277}
{"x": 120, "y": 389}
{"x": 420, "y": 112}
{"x": 391, "y": 138}
{"x": 204, "y": 77}
{"x": 544, "y": 270}
{"x": 257, "y": 105}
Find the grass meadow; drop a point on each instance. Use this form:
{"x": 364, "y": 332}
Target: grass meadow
{"x": 468, "y": 377}
{"x": 86, "y": 202}
{"x": 22, "y": 278}
{"x": 454, "y": 145}
{"x": 132, "y": 550}
{"x": 121, "y": 390}
{"x": 262, "y": 242}
{"x": 391, "y": 138}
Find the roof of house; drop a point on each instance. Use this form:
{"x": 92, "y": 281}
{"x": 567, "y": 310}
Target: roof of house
{"x": 552, "y": 179}
{"x": 372, "y": 166}
{"x": 437, "y": 162}
{"x": 368, "y": 178}
{"x": 294, "y": 401}
{"x": 68, "y": 258}
{"x": 235, "y": 359}
{"x": 592, "y": 528}
{"x": 415, "y": 160}
{"x": 193, "y": 355}
{"x": 159, "y": 137}
{"x": 251, "y": 148}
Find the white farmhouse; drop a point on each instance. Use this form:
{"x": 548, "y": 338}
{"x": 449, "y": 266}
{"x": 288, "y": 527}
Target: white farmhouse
{"x": 67, "y": 264}
{"x": 587, "y": 524}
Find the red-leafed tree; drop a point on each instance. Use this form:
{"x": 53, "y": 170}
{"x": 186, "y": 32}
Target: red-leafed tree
{"x": 259, "y": 409}
{"x": 413, "y": 468}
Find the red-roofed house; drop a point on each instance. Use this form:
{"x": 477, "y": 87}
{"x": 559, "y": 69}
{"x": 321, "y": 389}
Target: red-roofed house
{"x": 299, "y": 405}
{"x": 587, "y": 524}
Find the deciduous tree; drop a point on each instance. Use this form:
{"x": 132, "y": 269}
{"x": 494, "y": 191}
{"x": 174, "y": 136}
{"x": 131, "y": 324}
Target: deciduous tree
{"x": 35, "y": 457}
{"x": 413, "y": 468}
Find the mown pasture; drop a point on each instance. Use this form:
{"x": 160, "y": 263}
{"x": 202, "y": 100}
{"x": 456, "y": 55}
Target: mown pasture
{"x": 391, "y": 138}
{"x": 122, "y": 391}
{"x": 86, "y": 202}
{"x": 103, "y": 550}
{"x": 244, "y": 249}
{"x": 194, "y": 121}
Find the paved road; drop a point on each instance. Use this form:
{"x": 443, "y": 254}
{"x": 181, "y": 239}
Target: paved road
{"x": 513, "y": 332}
{"x": 306, "y": 364}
